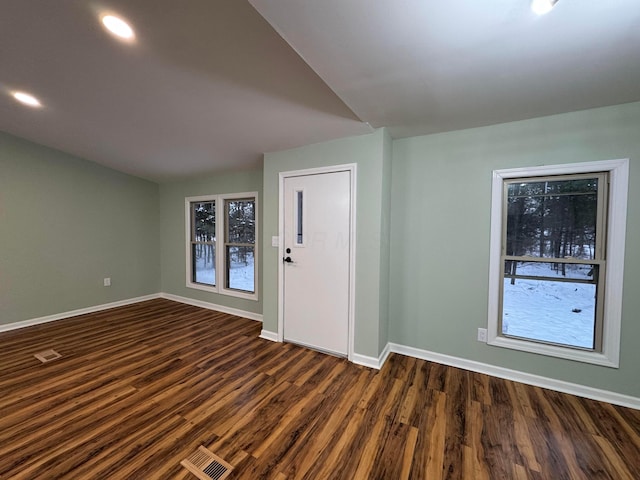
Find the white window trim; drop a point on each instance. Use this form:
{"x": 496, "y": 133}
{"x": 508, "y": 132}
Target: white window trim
{"x": 220, "y": 257}
{"x": 616, "y": 231}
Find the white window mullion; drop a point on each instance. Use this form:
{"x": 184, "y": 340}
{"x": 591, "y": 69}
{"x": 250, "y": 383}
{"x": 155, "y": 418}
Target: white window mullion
{"x": 220, "y": 253}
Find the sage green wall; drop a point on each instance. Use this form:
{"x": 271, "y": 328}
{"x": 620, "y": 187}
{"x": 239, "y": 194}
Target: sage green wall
{"x": 367, "y": 152}
{"x": 65, "y": 224}
{"x": 385, "y": 240}
{"x": 172, "y": 233}
{"x": 441, "y": 187}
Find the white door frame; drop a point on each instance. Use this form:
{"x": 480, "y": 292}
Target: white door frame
{"x": 352, "y": 168}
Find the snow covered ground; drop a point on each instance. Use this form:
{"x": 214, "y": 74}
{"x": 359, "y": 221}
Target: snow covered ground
{"x": 240, "y": 277}
{"x": 205, "y": 271}
{"x": 559, "y": 312}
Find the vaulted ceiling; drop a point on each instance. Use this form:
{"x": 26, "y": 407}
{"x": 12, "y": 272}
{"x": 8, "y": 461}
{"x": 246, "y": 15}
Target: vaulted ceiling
{"x": 209, "y": 85}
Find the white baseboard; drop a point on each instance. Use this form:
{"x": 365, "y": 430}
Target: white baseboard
{"x": 522, "y": 377}
{"x": 75, "y": 313}
{"x": 386, "y": 351}
{"x": 268, "y": 335}
{"x": 372, "y": 362}
{"x": 212, "y": 306}
{"x": 364, "y": 360}
{"x": 97, "y": 308}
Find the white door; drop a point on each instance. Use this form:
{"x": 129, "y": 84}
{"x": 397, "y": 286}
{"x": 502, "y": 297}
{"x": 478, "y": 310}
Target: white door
{"x": 317, "y": 211}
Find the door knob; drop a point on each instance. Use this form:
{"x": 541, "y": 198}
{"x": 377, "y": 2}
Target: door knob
{"x": 287, "y": 260}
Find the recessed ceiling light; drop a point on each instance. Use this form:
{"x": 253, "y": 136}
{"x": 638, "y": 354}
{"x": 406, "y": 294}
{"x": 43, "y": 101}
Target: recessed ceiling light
{"x": 27, "y": 99}
{"x": 542, "y": 6}
{"x": 118, "y": 27}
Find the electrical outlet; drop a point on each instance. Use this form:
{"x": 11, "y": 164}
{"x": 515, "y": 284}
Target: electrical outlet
{"x": 482, "y": 334}
{"x": 107, "y": 282}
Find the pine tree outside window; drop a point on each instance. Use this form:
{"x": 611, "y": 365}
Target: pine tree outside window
{"x": 557, "y": 260}
{"x": 553, "y": 259}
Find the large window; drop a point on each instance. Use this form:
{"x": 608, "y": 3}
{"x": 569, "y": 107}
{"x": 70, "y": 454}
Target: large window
{"x": 557, "y": 254}
{"x": 228, "y": 267}
{"x": 553, "y": 259}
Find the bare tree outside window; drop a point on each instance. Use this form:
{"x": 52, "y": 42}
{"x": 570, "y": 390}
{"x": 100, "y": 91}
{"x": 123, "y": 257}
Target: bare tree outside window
{"x": 240, "y": 244}
{"x": 203, "y": 238}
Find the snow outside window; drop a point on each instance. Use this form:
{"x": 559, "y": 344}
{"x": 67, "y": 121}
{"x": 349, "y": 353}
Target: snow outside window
{"x": 203, "y": 242}
{"x": 552, "y": 259}
{"x": 240, "y": 240}
{"x": 231, "y": 268}
{"x": 557, "y": 254}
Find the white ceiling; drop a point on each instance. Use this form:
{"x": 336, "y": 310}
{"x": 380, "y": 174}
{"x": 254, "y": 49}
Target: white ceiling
{"x": 209, "y": 85}
{"x": 424, "y": 66}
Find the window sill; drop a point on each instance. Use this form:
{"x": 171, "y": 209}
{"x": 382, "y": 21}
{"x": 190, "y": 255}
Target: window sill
{"x": 223, "y": 291}
{"x": 596, "y": 358}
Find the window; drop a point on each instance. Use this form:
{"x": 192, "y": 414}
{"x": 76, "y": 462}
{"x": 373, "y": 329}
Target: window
{"x": 299, "y": 206}
{"x": 553, "y": 259}
{"x": 230, "y": 270}
{"x": 203, "y": 242}
{"x": 240, "y": 240}
{"x": 557, "y": 255}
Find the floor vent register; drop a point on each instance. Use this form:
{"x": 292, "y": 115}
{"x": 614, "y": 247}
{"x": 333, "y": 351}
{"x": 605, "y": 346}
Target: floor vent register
{"x": 47, "y": 356}
{"x": 206, "y": 465}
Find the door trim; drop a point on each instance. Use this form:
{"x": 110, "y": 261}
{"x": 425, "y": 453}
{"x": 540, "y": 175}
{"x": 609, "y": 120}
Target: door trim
{"x": 352, "y": 169}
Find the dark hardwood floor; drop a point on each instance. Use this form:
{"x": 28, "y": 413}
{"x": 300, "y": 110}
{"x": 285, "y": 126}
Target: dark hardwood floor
{"x": 139, "y": 388}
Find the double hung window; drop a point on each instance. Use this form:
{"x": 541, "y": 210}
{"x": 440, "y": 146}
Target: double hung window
{"x": 553, "y": 262}
{"x": 240, "y": 244}
{"x": 203, "y": 242}
{"x": 221, "y": 244}
{"x": 557, "y": 255}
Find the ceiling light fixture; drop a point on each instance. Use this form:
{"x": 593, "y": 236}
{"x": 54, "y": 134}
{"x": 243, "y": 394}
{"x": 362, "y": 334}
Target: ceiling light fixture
{"x": 118, "y": 27}
{"x": 542, "y": 6}
{"x": 27, "y": 99}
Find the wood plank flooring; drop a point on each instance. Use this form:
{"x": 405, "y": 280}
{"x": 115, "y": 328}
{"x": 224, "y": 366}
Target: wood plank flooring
{"x": 139, "y": 388}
